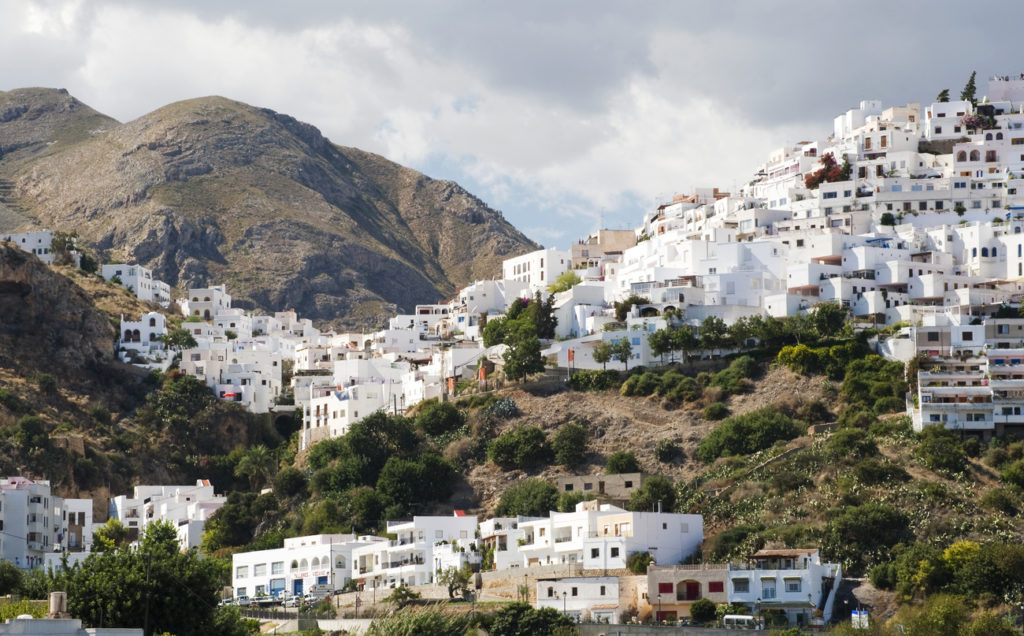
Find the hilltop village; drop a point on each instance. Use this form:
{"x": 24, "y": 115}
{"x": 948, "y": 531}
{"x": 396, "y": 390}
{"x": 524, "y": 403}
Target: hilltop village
{"x": 903, "y": 217}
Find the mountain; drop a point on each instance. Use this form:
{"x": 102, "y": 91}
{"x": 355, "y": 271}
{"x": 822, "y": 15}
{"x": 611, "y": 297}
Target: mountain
{"x": 210, "y": 191}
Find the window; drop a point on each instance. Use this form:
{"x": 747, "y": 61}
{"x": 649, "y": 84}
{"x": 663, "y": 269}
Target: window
{"x": 717, "y": 586}
{"x": 793, "y": 585}
{"x": 664, "y": 588}
{"x": 551, "y": 592}
{"x": 602, "y": 590}
{"x": 740, "y": 586}
{"x": 438, "y": 534}
{"x": 574, "y": 591}
{"x": 595, "y": 553}
{"x": 242, "y": 572}
{"x": 767, "y": 589}
{"x": 615, "y": 552}
{"x": 968, "y": 336}
{"x": 259, "y": 569}
{"x": 240, "y": 591}
{"x": 629, "y": 484}
{"x": 568, "y": 488}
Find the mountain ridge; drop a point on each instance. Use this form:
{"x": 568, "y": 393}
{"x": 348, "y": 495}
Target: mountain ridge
{"x": 210, "y": 190}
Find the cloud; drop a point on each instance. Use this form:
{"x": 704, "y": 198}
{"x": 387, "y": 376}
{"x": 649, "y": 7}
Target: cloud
{"x": 571, "y": 114}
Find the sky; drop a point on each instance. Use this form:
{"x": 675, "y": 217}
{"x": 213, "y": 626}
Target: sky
{"x": 567, "y": 116}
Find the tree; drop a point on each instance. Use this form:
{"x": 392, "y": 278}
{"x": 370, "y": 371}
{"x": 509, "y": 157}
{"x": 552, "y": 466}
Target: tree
{"x": 289, "y": 482}
{"x": 863, "y": 534}
{"x": 943, "y": 96}
{"x": 437, "y": 418}
{"x": 828, "y": 173}
{"x": 684, "y": 340}
{"x": 661, "y": 343}
{"x": 603, "y": 354}
{"x": 887, "y": 219}
{"x": 621, "y": 462}
{"x": 570, "y": 444}
{"x": 62, "y": 245}
{"x": 257, "y": 464}
{"x": 713, "y": 333}
{"x": 155, "y": 586}
{"x": 530, "y": 498}
{"x": 623, "y": 351}
{"x": 110, "y": 536}
{"x": 11, "y": 577}
{"x": 828, "y": 319}
{"x": 622, "y": 308}
{"x": 456, "y": 580}
{"x": 702, "y": 610}
{"x": 402, "y": 596}
{"x": 655, "y": 490}
{"x": 967, "y": 94}
{"x": 523, "y": 354}
{"x": 519, "y": 619}
{"x": 565, "y": 281}
{"x": 179, "y": 339}
{"x": 522, "y": 447}
{"x": 747, "y": 433}
{"x": 495, "y": 331}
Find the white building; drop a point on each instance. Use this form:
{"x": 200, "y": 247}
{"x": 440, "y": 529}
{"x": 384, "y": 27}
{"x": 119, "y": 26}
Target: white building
{"x": 409, "y": 559}
{"x": 582, "y": 598}
{"x": 601, "y": 536}
{"x": 205, "y": 302}
{"x": 37, "y": 243}
{"x": 293, "y": 570}
{"x": 35, "y": 522}
{"x": 139, "y": 280}
{"x": 186, "y": 508}
{"x": 143, "y": 337}
{"x": 538, "y": 269}
{"x": 792, "y": 581}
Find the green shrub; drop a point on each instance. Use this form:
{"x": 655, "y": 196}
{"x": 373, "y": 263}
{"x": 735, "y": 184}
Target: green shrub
{"x": 1000, "y": 500}
{"x": 47, "y": 383}
{"x": 638, "y": 561}
{"x": 850, "y": 443}
{"x": 655, "y": 489}
{"x": 862, "y": 535}
{"x": 593, "y": 380}
{"x": 686, "y": 389}
{"x": 570, "y": 444}
{"x": 289, "y": 482}
{"x": 522, "y": 447}
{"x": 667, "y": 450}
{"x": 567, "y": 501}
{"x": 715, "y": 411}
{"x": 889, "y": 404}
{"x": 1014, "y": 473}
{"x": 872, "y": 471}
{"x": 814, "y": 412}
{"x": 530, "y": 497}
{"x": 940, "y": 450}
{"x": 622, "y": 462}
{"x": 736, "y": 540}
{"x": 437, "y": 418}
{"x": 702, "y": 610}
{"x": 747, "y": 433}
{"x": 628, "y": 387}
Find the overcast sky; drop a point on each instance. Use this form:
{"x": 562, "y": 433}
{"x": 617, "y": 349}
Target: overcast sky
{"x": 562, "y": 114}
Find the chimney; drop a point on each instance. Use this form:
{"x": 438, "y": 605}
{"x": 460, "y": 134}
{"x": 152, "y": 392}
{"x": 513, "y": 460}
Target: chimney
{"x": 58, "y": 605}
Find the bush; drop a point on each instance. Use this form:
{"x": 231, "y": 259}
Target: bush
{"x": 850, "y": 443}
{"x": 1000, "y": 500}
{"x": 863, "y": 534}
{"x": 522, "y": 447}
{"x": 889, "y": 404}
{"x": 655, "y": 489}
{"x": 47, "y": 383}
{"x": 1014, "y": 473}
{"x": 570, "y": 444}
{"x": 567, "y": 501}
{"x": 592, "y": 380}
{"x": 686, "y": 389}
{"x": 747, "y": 433}
{"x": 519, "y": 619}
{"x": 872, "y": 471}
{"x": 437, "y": 418}
{"x": 667, "y": 450}
{"x": 940, "y": 450}
{"x": 702, "y": 610}
{"x": 638, "y": 561}
{"x": 715, "y": 411}
{"x": 530, "y": 497}
{"x": 289, "y": 482}
{"x": 622, "y": 462}
{"x": 11, "y": 577}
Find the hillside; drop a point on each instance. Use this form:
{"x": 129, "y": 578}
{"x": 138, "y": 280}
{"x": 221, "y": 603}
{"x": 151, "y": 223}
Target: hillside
{"x": 211, "y": 191}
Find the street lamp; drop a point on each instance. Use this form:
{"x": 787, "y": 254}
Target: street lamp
{"x": 563, "y": 601}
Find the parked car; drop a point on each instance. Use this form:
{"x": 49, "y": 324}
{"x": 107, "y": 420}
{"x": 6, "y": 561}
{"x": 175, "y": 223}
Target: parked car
{"x": 292, "y": 601}
{"x": 243, "y": 601}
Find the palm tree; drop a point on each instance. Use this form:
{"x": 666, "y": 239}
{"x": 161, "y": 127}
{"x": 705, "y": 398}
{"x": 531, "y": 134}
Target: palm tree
{"x": 257, "y": 464}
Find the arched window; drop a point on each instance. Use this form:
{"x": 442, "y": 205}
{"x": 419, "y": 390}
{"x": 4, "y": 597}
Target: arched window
{"x": 206, "y": 314}
{"x": 315, "y": 563}
{"x": 688, "y": 590}
{"x": 295, "y": 566}
{"x": 206, "y": 300}
{"x": 127, "y": 335}
{"x": 975, "y": 155}
{"x": 961, "y": 156}
{"x": 995, "y": 252}
{"x": 984, "y": 252}
{"x": 340, "y": 563}
{"x": 999, "y": 136}
{"x": 152, "y": 322}
{"x": 303, "y": 565}
{"x": 136, "y": 336}
{"x": 988, "y": 136}
{"x": 974, "y": 252}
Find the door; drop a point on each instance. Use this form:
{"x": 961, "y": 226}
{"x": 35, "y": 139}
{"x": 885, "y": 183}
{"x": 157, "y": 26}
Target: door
{"x": 297, "y": 587}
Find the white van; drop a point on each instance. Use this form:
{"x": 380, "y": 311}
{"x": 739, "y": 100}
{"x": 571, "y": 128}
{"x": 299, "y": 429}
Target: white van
{"x": 740, "y": 621}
